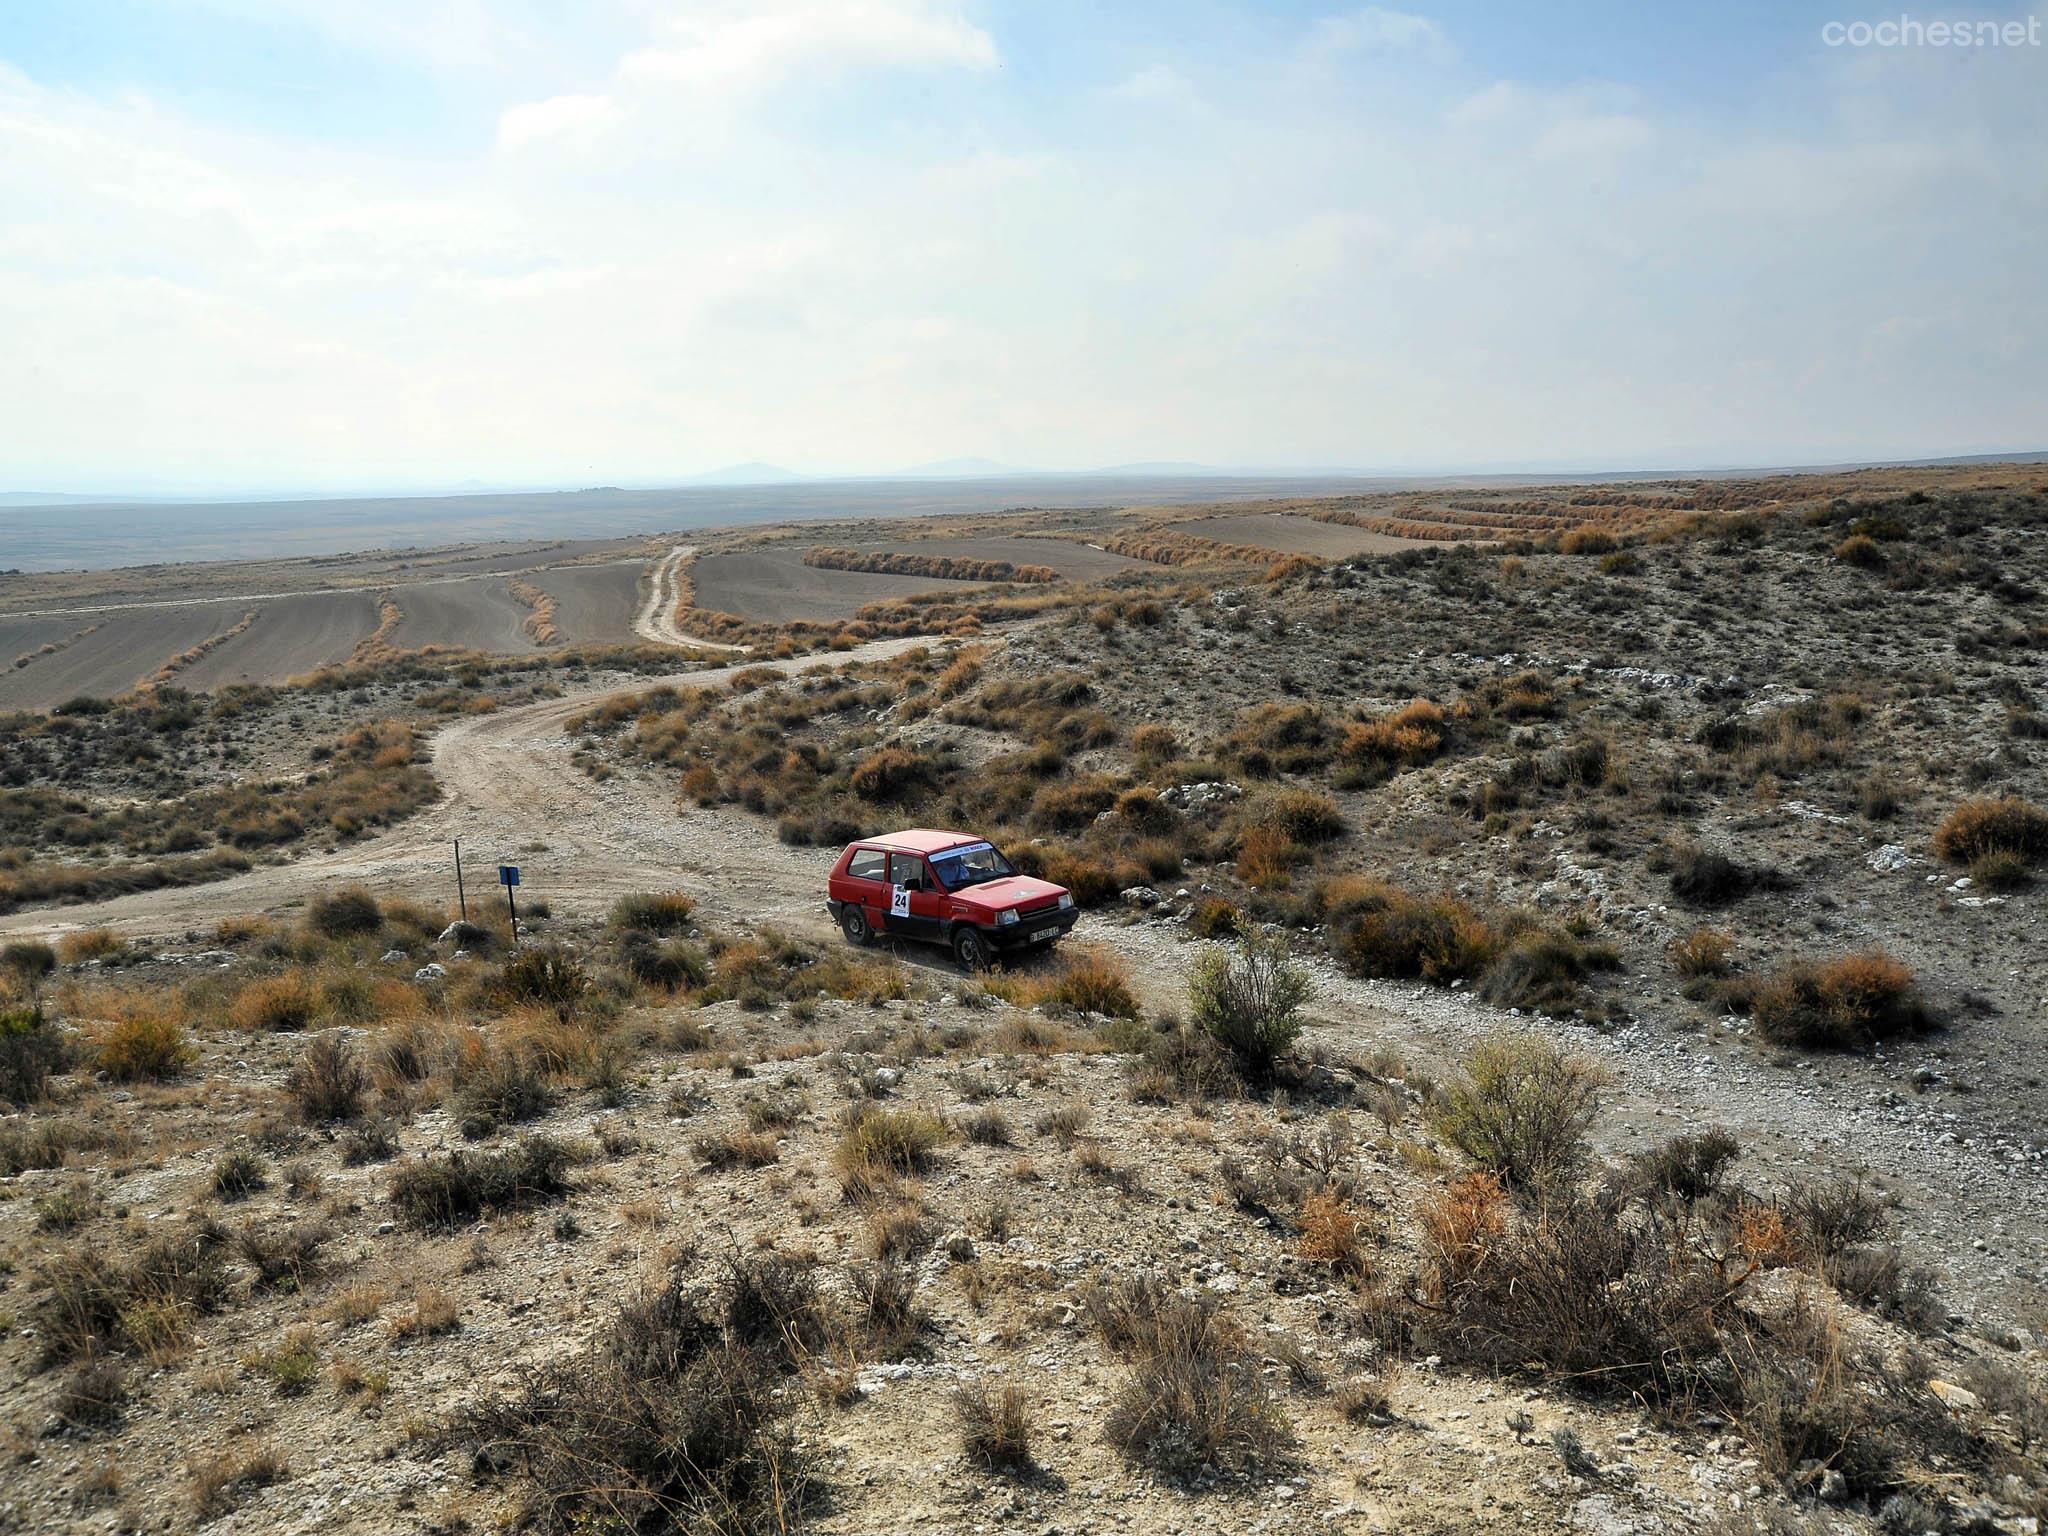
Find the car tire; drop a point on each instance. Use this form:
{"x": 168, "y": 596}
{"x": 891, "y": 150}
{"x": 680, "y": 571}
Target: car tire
{"x": 854, "y": 924}
{"x": 972, "y": 950}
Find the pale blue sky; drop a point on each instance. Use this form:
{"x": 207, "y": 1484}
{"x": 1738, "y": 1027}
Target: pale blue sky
{"x": 335, "y": 243}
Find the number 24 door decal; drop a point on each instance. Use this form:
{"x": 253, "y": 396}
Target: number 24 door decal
{"x": 899, "y": 901}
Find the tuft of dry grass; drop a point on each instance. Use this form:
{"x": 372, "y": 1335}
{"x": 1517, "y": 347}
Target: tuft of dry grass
{"x": 1990, "y": 825}
{"x": 995, "y": 1427}
{"x": 1848, "y": 1003}
{"x": 878, "y": 1147}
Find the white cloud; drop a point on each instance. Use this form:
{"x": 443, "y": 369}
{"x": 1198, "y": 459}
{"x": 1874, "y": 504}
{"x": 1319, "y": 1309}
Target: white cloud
{"x": 574, "y": 116}
{"x": 1157, "y": 82}
{"x": 1374, "y": 28}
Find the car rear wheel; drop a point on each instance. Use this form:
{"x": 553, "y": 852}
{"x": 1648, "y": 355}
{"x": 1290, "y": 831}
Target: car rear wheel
{"x": 971, "y": 949}
{"x": 854, "y": 924}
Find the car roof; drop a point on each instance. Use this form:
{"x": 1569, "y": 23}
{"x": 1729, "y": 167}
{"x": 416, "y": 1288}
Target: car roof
{"x": 920, "y": 840}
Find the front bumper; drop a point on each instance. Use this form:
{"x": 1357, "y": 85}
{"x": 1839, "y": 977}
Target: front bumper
{"x": 1025, "y": 932}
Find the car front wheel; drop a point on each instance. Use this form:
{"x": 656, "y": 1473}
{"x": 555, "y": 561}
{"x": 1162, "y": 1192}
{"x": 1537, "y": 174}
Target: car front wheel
{"x": 971, "y": 949}
{"x": 854, "y": 924}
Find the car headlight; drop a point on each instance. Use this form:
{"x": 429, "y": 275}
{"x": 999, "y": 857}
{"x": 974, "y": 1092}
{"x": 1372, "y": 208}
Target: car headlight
{"x": 1007, "y": 915}
{"x": 1066, "y": 900}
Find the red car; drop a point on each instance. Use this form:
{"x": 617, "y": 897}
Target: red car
{"x": 945, "y": 888}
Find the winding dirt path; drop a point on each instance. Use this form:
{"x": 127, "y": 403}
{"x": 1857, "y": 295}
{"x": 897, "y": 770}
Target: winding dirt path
{"x": 656, "y": 619}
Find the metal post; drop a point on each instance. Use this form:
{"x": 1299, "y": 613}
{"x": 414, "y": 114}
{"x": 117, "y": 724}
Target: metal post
{"x": 513, "y": 907}
{"x": 461, "y": 895}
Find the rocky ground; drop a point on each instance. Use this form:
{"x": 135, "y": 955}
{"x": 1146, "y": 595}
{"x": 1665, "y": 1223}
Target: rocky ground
{"x": 1684, "y": 661}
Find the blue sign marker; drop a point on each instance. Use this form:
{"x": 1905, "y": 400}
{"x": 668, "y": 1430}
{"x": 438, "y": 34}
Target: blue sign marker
{"x": 508, "y": 874}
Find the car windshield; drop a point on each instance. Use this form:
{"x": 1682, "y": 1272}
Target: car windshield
{"x": 975, "y": 864}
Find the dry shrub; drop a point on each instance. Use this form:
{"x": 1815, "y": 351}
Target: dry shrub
{"x": 30, "y": 1053}
{"x": 327, "y": 1082}
{"x": 90, "y": 944}
{"x": 1860, "y": 550}
{"x": 1185, "y": 1064}
{"x": 1702, "y": 953}
{"x": 665, "y": 912}
{"x": 1687, "y": 1168}
{"x": 995, "y": 1427}
{"x": 447, "y": 1191}
{"x": 1458, "y": 1222}
{"x": 722, "y": 1152}
{"x": 1520, "y": 1107}
{"x": 345, "y": 914}
{"x": 288, "y": 1001}
{"x": 90, "y": 1303}
{"x": 1330, "y": 1234}
{"x": 1196, "y": 1399}
{"x": 1301, "y": 815}
{"x": 878, "y": 1146}
{"x": 1212, "y": 917}
{"x": 1540, "y": 970}
{"x": 1587, "y": 541}
{"x": 1090, "y": 981}
{"x": 500, "y": 1087}
{"x": 544, "y": 976}
{"x": 1267, "y": 858}
{"x": 1988, "y": 825}
{"x": 220, "y": 1479}
{"x": 671, "y": 1422}
{"x": 1402, "y": 738}
{"x": 1849, "y": 1003}
{"x": 145, "y": 1046}
{"x": 892, "y": 774}
{"x": 1389, "y": 932}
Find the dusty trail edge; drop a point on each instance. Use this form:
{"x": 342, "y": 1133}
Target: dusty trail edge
{"x": 512, "y": 792}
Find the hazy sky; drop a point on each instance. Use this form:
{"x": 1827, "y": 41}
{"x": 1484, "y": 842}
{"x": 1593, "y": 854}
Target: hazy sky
{"x": 334, "y": 243}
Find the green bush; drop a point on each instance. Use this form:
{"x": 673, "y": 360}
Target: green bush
{"x": 1520, "y": 1107}
{"x": 1249, "y": 1000}
{"x": 31, "y": 1052}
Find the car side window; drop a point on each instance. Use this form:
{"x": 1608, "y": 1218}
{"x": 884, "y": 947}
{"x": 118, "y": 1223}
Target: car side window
{"x": 907, "y": 870}
{"x": 867, "y": 864}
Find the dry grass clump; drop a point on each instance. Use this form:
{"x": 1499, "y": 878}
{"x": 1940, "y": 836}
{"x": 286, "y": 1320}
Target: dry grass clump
{"x": 1401, "y": 738}
{"x": 344, "y": 914}
{"x": 1992, "y": 825}
{"x": 1520, "y": 1107}
{"x": 1083, "y": 980}
{"x": 327, "y": 1082}
{"x": 1331, "y": 1233}
{"x": 675, "y": 1420}
{"x": 90, "y": 944}
{"x": 663, "y": 912}
{"x": 287, "y": 1001}
{"x": 143, "y": 1046}
{"x": 1385, "y": 931}
{"x": 1195, "y": 1399}
{"x": 1703, "y": 953}
{"x": 447, "y": 1191}
{"x": 1848, "y": 1004}
{"x": 877, "y": 1147}
{"x": 995, "y": 1427}
{"x": 220, "y": 1479}
{"x": 31, "y": 1052}
{"x": 727, "y": 1150}
{"x": 90, "y": 1303}
{"x": 497, "y": 1086}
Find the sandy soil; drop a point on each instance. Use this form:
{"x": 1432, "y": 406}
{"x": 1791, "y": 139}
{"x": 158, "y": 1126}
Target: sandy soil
{"x": 774, "y": 585}
{"x": 594, "y": 604}
{"x": 482, "y": 614}
{"x": 290, "y": 636}
{"x": 126, "y": 648}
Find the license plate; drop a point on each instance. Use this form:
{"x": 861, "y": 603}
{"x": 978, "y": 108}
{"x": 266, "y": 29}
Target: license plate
{"x": 1043, "y": 935}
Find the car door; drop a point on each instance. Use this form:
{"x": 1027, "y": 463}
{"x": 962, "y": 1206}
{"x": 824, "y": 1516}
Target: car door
{"x": 914, "y": 897}
{"x": 867, "y": 872}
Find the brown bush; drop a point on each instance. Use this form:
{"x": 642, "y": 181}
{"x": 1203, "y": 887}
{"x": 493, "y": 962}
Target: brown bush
{"x": 143, "y": 1047}
{"x": 1860, "y": 550}
{"x": 1389, "y": 932}
{"x": 1849, "y": 1003}
{"x": 1987, "y": 825}
{"x": 327, "y": 1082}
{"x": 280, "y": 1003}
{"x": 1412, "y": 734}
{"x": 995, "y": 1427}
